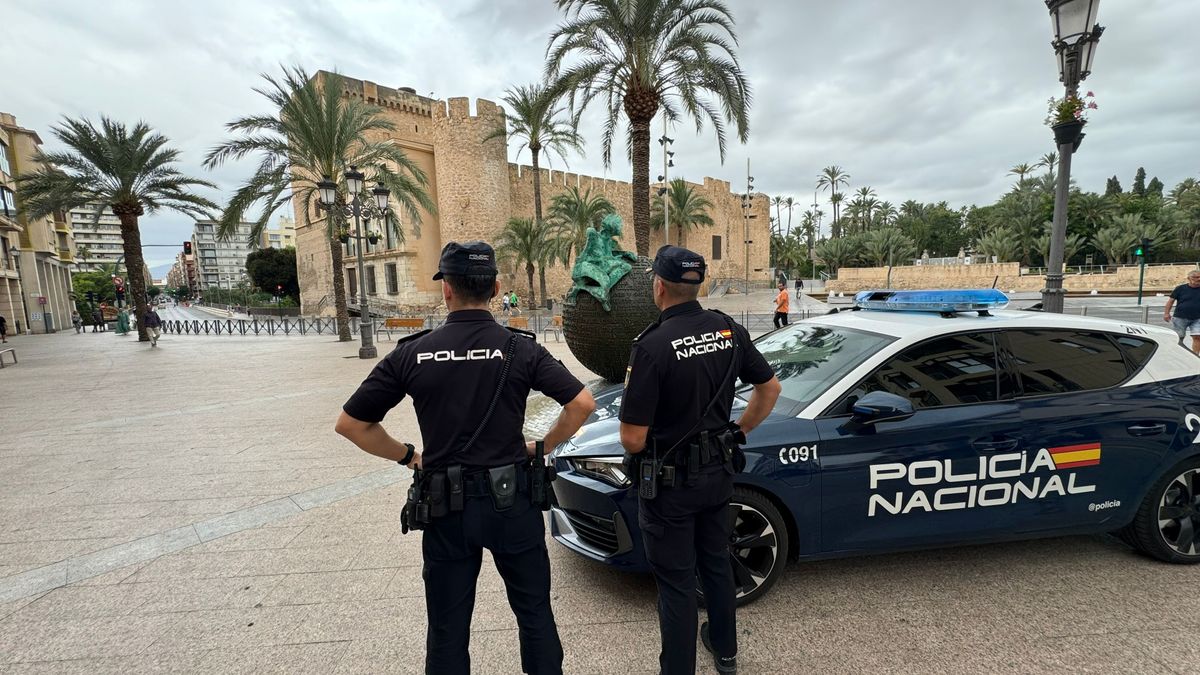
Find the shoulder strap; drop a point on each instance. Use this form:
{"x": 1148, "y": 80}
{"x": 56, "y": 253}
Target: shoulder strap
{"x": 509, "y": 350}
{"x": 721, "y": 387}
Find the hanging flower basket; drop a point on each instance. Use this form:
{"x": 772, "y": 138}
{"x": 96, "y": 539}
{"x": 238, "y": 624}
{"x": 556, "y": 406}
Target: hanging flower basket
{"x": 1068, "y": 133}
{"x": 373, "y": 238}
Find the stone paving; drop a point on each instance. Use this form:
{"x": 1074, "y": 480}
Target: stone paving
{"x": 189, "y": 509}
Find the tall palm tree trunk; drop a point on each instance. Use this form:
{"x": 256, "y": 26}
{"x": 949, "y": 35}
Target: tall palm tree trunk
{"x": 529, "y": 274}
{"x": 339, "y": 290}
{"x": 134, "y": 264}
{"x": 534, "y": 148}
{"x": 541, "y": 284}
{"x": 639, "y": 131}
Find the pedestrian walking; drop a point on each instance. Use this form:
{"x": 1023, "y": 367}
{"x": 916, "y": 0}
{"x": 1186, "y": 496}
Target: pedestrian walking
{"x": 675, "y": 416}
{"x": 97, "y": 320}
{"x": 153, "y": 323}
{"x": 1185, "y": 299}
{"x": 474, "y": 487}
{"x": 512, "y": 302}
{"x": 781, "y": 307}
{"x": 799, "y": 287}
{"x": 505, "y": 304}
{"x": 76, "y": 321}
{"x": 3, "y": 329}
{"x": 122, "y": 322}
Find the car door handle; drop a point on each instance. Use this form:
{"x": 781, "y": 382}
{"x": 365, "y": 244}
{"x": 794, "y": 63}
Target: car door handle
{"x": 1146, "y": 429}
{"x": 996, "y": 445}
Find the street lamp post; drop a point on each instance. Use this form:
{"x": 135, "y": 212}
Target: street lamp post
{"x": 747, "y": 206}
{"x": 665, "y": 179}
{"x": 1075, "y": 36}
{"x": 363, "y": 211}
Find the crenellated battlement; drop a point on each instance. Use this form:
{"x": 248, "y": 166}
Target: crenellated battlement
{"x": 402, "y": 100}
{"x": 457, "y": 109}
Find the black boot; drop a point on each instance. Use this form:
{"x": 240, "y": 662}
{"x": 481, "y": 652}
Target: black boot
{"x": 726, "y": 665}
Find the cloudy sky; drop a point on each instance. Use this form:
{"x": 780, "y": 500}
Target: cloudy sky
{"x": 920, "y": 99}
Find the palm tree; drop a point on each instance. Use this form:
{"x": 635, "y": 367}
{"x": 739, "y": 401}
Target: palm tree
{"x": 787, "y": 253}
{"x": 1114, "y": 242}
{"x": 837, "y": 253}
{"x": 790, "y": 204}
{"x": 1001, "y": 243}
{"x": 1073, "y": 244}
{"x": 1021, "y": 171}
{"x": 638, "y": 56}
{"x": 1094, "y": 209}
{"x": 573, "y": 212}
{"x": 315, "y": 133}
{"x": 777, "y": 202}
{"x": 830, "y": 179}
{"x": 535, "y": 244}
{"x": 535, "y": 120}
{"x": 887, "y": 245}
{"x": 1048, "y": 162}
{"x": 835, "y": 228}
{"x": 808, "y": 223}
{"x": 689, "y": 210}
{"x": 129, "y": 169}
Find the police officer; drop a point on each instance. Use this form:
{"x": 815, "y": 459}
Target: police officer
{"x": 675, "y": 418}
{"x": 469, "y": 381}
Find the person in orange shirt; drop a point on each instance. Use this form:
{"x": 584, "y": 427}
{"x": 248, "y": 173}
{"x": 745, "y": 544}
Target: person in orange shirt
{"x": 781, "y": 306}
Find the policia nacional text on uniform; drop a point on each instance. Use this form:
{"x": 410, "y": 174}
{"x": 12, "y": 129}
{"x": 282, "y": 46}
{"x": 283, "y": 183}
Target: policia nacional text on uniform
{"x": 474, "y": 485}
{"x": 684, "y": 452}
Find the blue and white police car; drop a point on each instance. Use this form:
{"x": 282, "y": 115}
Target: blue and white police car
{"x": 928, "y": 419}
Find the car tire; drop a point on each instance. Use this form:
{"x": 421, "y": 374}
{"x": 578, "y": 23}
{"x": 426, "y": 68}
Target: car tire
{"x": 1175, "y": 538}
{"x": 758, "y": 546}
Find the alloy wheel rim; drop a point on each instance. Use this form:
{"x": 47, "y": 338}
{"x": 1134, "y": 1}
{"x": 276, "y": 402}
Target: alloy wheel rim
{"x": 1179, "y": 514}
{"x": 753, "y": 548}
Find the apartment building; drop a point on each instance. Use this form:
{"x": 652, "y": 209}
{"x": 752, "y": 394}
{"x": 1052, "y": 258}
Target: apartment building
{"x": 282, "y": 235}
{"x": 41, "y": 250}
{"x": 98, "y": 238}
{"x": 220, "y": 264}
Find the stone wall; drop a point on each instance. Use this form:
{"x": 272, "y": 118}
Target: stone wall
{"x": 1007, "y": 276}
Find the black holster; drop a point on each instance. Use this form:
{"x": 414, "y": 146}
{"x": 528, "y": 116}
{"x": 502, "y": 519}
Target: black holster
{"x": 415, "y": 514}
{"x": 540, "y": 477}
{"x": 502, "y": 486}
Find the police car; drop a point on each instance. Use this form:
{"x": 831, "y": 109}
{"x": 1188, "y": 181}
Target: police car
{"x": 933, "y": 418}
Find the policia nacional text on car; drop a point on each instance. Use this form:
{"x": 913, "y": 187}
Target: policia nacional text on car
{"x": 684, "y": 451}
{"x": 474, "y": 486}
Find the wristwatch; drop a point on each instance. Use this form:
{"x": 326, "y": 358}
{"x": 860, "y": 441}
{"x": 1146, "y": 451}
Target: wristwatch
{"x": 408, "y": 457}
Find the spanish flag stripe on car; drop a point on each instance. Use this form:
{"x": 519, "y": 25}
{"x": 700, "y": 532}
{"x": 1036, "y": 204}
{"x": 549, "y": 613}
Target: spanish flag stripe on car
{"x": 1071, "y": 456}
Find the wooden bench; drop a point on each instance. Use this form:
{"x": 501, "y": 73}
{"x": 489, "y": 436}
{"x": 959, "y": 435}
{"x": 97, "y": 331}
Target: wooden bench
{"x": 555, "y": 327}
{"x": 518, "y": 322}
{"x": 8, "y": 350}
{"x": 405, "y": 323}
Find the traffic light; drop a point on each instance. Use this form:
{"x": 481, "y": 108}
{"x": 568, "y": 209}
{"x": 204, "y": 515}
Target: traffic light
{"x": 187, "y": 248}
{"x": 1142, "y": 250}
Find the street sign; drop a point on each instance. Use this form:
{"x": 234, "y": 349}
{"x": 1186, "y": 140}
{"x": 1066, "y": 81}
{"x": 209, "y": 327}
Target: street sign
{"x": 41, "y": 299}
{"x": 118, "y": 282}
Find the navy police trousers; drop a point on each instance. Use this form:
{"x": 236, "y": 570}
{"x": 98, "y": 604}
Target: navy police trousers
{"x": 686, "y": 530}
{"x": 452, "y": 550}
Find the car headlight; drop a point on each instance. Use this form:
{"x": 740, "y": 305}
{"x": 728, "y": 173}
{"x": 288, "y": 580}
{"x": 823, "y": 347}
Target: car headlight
{"x": 610, "y": 470}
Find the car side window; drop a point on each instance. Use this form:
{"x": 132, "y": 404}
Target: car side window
{"x": 950, "y": 370}
{"x": 1137, "y": 351}
{"x": 1061, "y": 361}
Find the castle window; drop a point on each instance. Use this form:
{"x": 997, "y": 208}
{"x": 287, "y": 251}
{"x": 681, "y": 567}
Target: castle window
{"x": 389, "y": 272}
{"x": 716, "y": 247}
{"x": 369, "y": 277}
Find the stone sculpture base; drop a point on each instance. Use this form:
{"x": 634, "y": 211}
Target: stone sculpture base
{"x": 600, "y": 339}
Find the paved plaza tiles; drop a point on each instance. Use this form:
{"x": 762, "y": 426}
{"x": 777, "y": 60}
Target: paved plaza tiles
{"x": 189, "y": 509}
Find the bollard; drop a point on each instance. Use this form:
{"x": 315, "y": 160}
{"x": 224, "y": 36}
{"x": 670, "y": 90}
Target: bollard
{"x": 1145, "y": 313}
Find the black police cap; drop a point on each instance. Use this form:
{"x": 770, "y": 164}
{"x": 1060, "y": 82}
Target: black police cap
{"x": 672, "y": 262}
{"x": 467, "y": 258}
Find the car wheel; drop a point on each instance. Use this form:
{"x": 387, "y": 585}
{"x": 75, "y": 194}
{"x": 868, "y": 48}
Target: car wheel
{"x": 758, "y": 546}
{"x": 1167, "y": 525}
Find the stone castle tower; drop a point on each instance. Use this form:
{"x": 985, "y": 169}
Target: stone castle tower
{"x": 476, "y": 190}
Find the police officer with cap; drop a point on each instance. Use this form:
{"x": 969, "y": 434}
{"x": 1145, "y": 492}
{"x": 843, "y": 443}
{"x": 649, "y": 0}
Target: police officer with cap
{"x": 474, "y": 485}
{"x": 675, "y": 421}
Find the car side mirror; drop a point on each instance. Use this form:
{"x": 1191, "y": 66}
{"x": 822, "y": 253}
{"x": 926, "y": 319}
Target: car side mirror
{"x": 880, "y": 406}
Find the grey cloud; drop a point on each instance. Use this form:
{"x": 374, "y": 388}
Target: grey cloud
{"x": 922, "y": 99}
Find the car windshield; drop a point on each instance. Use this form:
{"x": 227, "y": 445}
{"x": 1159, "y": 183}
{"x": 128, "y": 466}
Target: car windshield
{"x": 809, "y": 358}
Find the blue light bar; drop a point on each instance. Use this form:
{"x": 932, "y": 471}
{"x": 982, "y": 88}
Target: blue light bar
{"x": 942, "y": 301}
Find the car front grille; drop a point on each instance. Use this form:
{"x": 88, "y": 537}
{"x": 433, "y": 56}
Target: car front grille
{"x": 598, "y": 533}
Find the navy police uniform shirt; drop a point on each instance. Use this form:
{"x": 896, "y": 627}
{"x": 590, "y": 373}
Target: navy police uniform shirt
{"x": 676, "y": 367}
{"x": 451, "y": 374}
